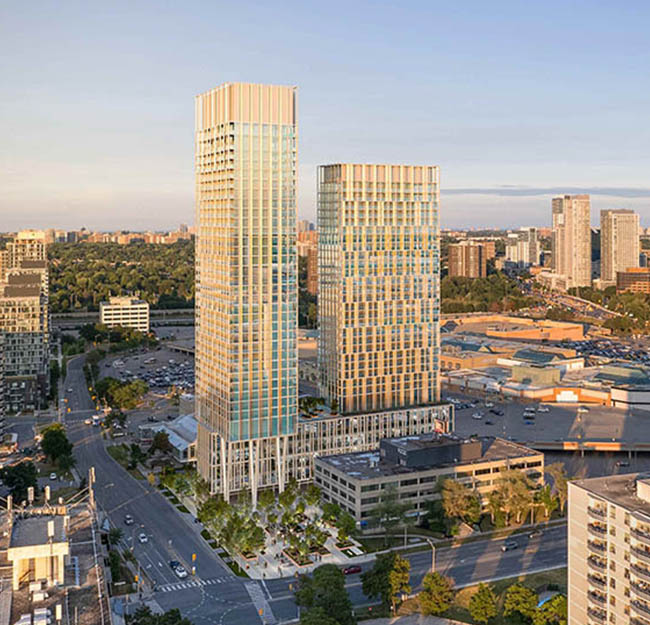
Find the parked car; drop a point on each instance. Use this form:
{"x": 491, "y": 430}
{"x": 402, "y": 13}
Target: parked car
{"x": 543, "y": 409}
{"x": 143, "y": 538}
{"x": 53, "y": 476}
{"x": 350, "y": 570}
{"x": 489, "y": 422}
{"x": 477, "y": 415}
{"x": 622, "y": 463}
{"x": 509, "y": 545}
{"x": 128, "y": 519}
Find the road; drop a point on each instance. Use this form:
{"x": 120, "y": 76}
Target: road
{"x": 218, "y": 593}
{"x": 215, "y": 595}
{"x": 467, "y": 564}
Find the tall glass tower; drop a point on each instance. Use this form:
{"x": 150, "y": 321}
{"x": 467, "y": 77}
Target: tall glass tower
{"x": 246, "y": 284}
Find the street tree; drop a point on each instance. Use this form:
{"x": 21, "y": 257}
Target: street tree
{"x": 55, "y": 443}
{"x": 389, "y": 513}
{"x": 325, "y": 590}
{"x": 483, "y": 604}
{"x": 115, "y": 534}
{"x": 345, "y": 524}
{"x": 460, "y": 503}
{"x": 378, "y": 583}
{"x": 312, "y": 495}
{"x": 521, "y": 600}
{"x": 398, "y": 579}
{"x": 552, "y": 612}
{"x": 560, "y": 482}
{"x": 144, "y": 616}
{"x": 18, "y": 478}
{"x": 317, "y": 616}
{"x": 547, "y": 500}
{"x": 437, "y": 594}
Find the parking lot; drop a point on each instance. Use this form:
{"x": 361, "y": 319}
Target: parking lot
{"x": 610, "y": 349}
{"x": 561, "y": 422}
{"x": 160, "y": 368}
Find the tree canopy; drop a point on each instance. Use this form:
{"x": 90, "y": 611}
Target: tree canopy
{"x": 144, "y": 616}
{"x": 324, "y": 593}
{"x": 437, "y": 594}
{"x": 18, "y": 478}
{"x": 483, "y": 604}
{"x": 84, "y": 274}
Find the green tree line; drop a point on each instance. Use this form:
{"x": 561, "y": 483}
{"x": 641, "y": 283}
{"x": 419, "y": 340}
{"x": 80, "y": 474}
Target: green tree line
{"x": 84, "y": 274}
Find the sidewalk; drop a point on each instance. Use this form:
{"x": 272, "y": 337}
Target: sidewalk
{"x": 413, "y": 619}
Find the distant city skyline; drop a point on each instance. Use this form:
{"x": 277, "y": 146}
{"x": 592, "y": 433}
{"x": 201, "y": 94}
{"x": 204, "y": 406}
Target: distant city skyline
{"x": 96, "y": 130}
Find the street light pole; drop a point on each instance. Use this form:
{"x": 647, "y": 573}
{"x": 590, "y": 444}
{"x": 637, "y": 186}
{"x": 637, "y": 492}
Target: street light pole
{"x": 433, "y": 555}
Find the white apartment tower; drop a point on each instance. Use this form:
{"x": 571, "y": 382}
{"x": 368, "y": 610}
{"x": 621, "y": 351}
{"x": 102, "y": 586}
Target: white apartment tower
{"x": 609, "y": 550}
{"x": 572, "y": 239}
{"x": 619, "y": 243}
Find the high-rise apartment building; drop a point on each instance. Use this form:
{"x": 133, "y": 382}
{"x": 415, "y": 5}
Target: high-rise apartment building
{"x": 572, "y": 240}
{"x": 467, "y": 259}
{"x": 246, "y": 278}
{"x": 250, "y": 434}
{"x": 379, "y": 292}
{"x": 619, "y": 243}
{"x": 522, "y": 247}
{"x": 24, "y": 320}
{"x": 609, "y": 550}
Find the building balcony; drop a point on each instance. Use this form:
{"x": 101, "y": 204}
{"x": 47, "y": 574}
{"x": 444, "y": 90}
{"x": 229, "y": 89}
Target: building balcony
{"x": 597, "y": 597}
{"x": 595, "y": 564}
{"x": 639, "y": 590}
{"x": 637, "y": 620}
{"x": 597, "y": 581}
{"x": 642, "y": 554}
{"x": 640, "y": 571}
{"x": 596, "y": 530}
{"x": 597, "y": 615}
{"x": 644, "y": 537}
{"x": 596, "y": 547}
{"x": 640, "y": 607}
{"x": 597, "y": 513}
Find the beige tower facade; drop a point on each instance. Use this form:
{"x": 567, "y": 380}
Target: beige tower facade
{"x": 609, "y": 550}
{"x": 379, "y": 292}
{"x": 246, "y": 282}
{"x": 572, "y": 239}
{"x": 619, "y": 243}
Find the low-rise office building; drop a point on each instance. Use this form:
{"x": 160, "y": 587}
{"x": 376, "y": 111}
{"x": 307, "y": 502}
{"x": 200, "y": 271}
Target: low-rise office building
{"x": 126, "y": 312}
{"x": 415, "y": 465}
{"x": 609, "y": 554}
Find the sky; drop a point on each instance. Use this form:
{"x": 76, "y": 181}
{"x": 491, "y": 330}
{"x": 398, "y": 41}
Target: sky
{"x": 515, "y": 101}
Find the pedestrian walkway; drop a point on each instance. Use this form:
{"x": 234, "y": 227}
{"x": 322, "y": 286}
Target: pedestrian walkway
{"x": 261, "y": 604}
{"x": 192, "y": 583}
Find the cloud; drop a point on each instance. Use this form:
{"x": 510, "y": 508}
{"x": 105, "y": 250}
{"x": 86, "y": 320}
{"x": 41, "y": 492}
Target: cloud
{"x": 521, "y": 191}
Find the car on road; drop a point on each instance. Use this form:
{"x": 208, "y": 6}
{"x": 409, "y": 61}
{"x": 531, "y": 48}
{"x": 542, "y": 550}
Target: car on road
{"x": 477, "y": 415}
{"x": 88, "y": 421}
{"x": 178, "y": 568}
{"x": 128, "y": 520}
{"x": 583, "y": 409}
{"x": 351, "y": 570}
{"x": 489, "y": 404}
{"x": 622, "y": 463}
{"x": 53, "y": 476}
{"x": 536, "y": 534}
{"x": 143, "y": 538}
{"x": 70, "y": 390}
{"x": 496, "y": 411}
{"x": 509, "y": 545}
{"x": 489, "y": 422}
{"x": 543, "y": 409}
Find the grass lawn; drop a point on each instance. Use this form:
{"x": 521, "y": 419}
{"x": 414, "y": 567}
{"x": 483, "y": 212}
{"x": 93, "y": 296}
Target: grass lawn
{"x": 460, "y": 609}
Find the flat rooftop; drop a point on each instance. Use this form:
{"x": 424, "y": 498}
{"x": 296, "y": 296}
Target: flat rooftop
{"x": 29, "y": 531}
{"x": 618, "y": 489}
{"x": 367, "y": 465}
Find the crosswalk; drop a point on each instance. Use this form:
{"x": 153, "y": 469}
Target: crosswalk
{"x": 261, "y": 604}
{"x": 194, "y": 583}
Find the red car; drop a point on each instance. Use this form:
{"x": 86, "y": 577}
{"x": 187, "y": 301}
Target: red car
{"x": 351, "y": 569}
